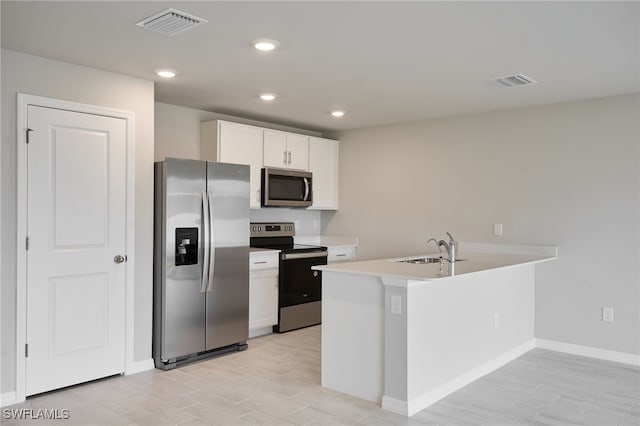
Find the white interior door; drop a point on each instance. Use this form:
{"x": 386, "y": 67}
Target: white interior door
{"x": 76, "y": 228}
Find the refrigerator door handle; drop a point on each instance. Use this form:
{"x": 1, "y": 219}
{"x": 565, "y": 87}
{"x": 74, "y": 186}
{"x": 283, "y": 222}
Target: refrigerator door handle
{"x": 212, "y": 243}
{"x": 205, "y": 259}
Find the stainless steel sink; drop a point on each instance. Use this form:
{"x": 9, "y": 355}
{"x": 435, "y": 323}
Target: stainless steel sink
{"x": 421, "y": 260}
{"x": 426, "y": 260}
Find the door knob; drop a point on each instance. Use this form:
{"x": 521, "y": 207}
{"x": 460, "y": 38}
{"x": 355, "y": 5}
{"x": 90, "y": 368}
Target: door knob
{"x": 119, "y": 259}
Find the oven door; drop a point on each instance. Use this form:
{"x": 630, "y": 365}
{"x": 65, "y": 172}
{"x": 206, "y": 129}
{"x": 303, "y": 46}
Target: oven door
{"x": 298, "y": 283}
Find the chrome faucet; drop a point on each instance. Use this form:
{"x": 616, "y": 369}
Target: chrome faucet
{"x": 451, "y": 247}
{"x": 437, "y": 243}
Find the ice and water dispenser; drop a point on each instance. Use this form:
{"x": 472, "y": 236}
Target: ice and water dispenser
{"x": 186, "y": 246}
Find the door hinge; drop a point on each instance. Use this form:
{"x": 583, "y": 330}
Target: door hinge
{"x": 28, "y": 132}
{"x": 26, "y": 350}
{"x": 26, "y": 244}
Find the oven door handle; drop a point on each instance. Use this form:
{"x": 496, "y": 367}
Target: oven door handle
{"x": 292, "y": 256}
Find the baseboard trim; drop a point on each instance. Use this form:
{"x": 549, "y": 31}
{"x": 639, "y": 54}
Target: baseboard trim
{"x": 140, "y": 366}
{"x": 421, "y": 402}
{"x": 589, "y": 351}
{"x": 261, "y": 331}
{"x": 7, "y": 398}
{"x": 395, "y": 406}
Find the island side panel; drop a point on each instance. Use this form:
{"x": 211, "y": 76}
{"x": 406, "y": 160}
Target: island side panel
{"x": 454, "y": 336}
{"x": 395, "y": 346}
{"x": 353, "y": 334}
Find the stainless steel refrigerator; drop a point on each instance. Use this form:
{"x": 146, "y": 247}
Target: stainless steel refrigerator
{"x": 201, "y": 260}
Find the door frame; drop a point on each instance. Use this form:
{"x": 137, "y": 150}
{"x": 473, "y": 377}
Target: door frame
{"x": 24, "y": 100}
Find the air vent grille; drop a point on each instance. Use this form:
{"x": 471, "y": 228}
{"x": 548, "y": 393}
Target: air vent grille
{"x": 517, "y": 80}
{"x": 170, "y": 22}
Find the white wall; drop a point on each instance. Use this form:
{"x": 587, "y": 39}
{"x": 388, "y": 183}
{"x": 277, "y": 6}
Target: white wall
{"x": 565, "y": 174}
{"x": 39, "y": 76}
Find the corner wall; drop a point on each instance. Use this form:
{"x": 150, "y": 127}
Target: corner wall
{"x": 44, "y": 77}
{"x": 565, "y": 175}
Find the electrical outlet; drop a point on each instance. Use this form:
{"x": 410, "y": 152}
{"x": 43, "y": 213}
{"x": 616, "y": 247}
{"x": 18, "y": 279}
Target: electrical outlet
{"x": 396, "y": 305}
{"x": 497, "y": 229}
{"x": 607, "y": 314}
{"x": 496, "y": 320}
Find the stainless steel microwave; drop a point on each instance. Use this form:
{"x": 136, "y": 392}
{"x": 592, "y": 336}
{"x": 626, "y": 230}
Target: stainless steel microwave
{"x": 286, "y": 188}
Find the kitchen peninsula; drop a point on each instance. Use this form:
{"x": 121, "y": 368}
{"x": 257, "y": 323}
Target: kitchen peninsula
{"x": 407, "y": 334}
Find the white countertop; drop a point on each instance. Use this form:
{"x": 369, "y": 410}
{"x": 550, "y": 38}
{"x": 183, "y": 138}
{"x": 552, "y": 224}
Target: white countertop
{"x": 262, "y": 250}
{"x": 326, "y": 240}
{"x": 484, "y": 257}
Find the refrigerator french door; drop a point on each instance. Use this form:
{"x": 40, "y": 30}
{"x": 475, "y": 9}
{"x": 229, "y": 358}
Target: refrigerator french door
{"x": 201, "y": 260}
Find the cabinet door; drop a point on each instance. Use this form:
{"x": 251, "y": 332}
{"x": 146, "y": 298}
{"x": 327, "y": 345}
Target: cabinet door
{"x": 339, "y": 254}
{"x": 275, "y": 149}
{"x": 263, "y": 298}
{"x": 323, "y": 163}
{"x": 242, "y": 144}
{"x": 286, "y": 150}
{"x": 298, "y": 151}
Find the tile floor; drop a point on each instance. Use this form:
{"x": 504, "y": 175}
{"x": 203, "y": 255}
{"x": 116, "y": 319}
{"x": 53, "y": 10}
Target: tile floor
{"x": 277, "y": 382}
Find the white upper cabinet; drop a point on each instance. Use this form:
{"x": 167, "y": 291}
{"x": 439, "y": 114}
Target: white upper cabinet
{"x": 323, "y": 164}
{"x": 258, "y": 147}
{"x": 286, "y": 150}
{"x": 234, "y": 143}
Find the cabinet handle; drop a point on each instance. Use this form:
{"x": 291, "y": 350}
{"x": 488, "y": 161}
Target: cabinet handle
{"x": 259, "y": 263}
{"x": 289, "y": 157}
{"x": 341, "y": 255}
{"x": 285, "y": 157}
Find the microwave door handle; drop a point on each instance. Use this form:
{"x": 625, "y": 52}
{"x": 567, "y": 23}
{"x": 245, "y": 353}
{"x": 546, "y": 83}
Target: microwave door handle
{"x": 212, "y": 251}
{"x": 306, "y": 189}
{"x": 205, "y": 232}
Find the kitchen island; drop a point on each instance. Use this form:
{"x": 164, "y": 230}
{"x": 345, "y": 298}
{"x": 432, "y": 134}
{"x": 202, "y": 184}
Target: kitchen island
{"x": 407, "y": 334}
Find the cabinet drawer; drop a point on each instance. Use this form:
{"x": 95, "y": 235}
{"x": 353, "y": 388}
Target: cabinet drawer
{"x": 341, "y": 254}
{"x": 263, "y": 261}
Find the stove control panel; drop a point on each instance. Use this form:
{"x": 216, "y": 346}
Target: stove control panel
{"x": 272, "y": 229}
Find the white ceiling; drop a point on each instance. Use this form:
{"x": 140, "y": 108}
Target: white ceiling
{"x": 383, "y": 62}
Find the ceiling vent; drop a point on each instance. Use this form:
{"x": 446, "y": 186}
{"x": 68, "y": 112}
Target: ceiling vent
{"x": 514, "y": 80}
{"x": 170, "y": 22}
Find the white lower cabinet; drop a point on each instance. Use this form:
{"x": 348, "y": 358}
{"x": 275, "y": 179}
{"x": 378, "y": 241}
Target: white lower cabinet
{"x": 263, "y": 292}
{"x": 341, "y": 254}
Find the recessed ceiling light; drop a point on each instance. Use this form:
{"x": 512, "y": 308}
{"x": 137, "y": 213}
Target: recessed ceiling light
{"x": 268, "y": 96}
{"x": 265, "y": 45}
{"x": 337, "y": 113}
{"x": 166, "y": 73}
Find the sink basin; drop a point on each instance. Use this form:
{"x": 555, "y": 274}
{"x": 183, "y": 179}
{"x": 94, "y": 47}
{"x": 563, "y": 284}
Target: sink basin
{"x": 425, "y": 260}
{"x": 421, "y": 260}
